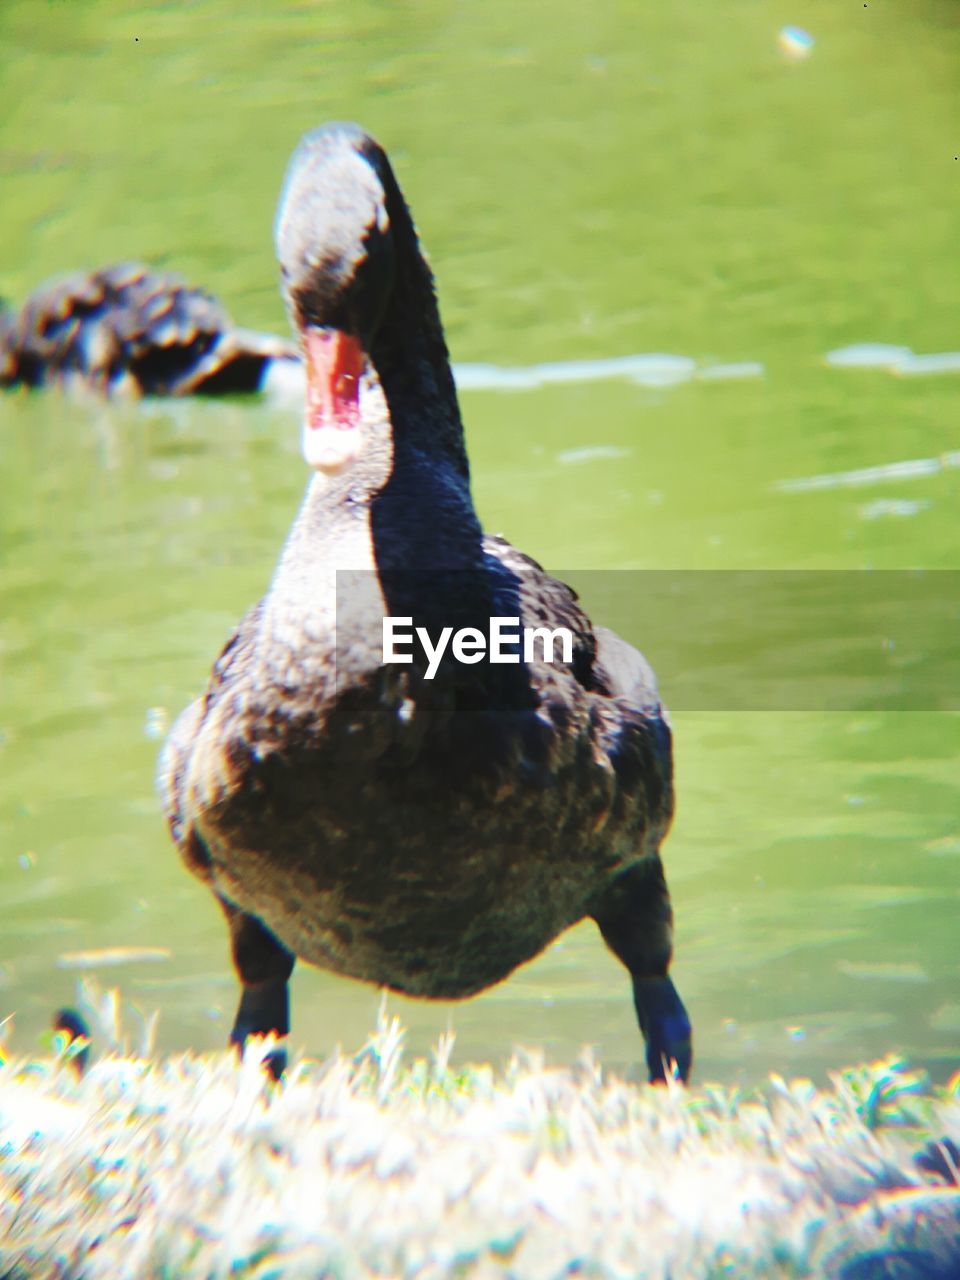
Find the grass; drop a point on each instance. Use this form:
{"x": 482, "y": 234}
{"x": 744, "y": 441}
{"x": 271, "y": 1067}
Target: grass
{"x": 374, "y": 1165}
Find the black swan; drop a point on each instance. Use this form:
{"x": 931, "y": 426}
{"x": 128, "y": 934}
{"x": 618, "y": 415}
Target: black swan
{"x": 425, "y": 834}
{"x": 127, "y": 329}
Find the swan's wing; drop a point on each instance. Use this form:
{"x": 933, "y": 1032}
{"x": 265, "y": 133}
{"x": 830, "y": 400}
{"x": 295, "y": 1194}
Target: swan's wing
{"x": 172, "y": 764}
{"x": 629, "y": 723}
{"x": 178, "y": 750}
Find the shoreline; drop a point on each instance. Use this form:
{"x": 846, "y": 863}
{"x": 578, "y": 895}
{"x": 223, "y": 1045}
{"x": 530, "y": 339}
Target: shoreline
{"x": 372, "y": 1165}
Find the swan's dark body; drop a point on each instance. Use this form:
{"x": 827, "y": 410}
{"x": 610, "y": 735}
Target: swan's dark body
{"x": 129, "y": 329}
{"x": 426, "y": 835}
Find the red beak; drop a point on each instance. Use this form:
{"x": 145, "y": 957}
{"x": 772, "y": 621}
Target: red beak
{"x": 331, "y": 428}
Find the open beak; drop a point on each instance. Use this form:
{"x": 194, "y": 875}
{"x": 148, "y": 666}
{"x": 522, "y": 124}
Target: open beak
{"x": 332, "y": 434}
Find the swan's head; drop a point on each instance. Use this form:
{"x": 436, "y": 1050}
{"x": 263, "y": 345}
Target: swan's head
{"x": 335, "y": 246}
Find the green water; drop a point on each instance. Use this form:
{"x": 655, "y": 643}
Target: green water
{"x": 590, "y": 181}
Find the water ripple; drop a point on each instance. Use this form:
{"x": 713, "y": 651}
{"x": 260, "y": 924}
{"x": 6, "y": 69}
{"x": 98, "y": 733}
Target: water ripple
{"x": 283, "y": 380}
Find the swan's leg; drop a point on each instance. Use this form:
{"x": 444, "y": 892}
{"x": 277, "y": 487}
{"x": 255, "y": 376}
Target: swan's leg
{"x": 636, "y": 921}
{"x": 264, "y": 965}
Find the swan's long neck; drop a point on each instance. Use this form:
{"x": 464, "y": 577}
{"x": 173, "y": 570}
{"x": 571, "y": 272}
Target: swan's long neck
{"x": 402, "y": 509}
{"x": 410, "y": 352}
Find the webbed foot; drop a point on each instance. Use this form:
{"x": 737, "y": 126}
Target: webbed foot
{"x": 666, "y": 1028}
